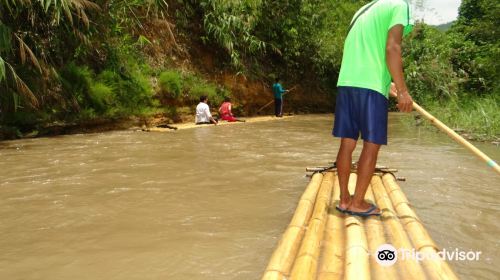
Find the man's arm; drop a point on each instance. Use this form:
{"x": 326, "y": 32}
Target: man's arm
{"x": 209, "y": 115}
{"x": 282, "y": 90}
{"x": 395, "y": 64}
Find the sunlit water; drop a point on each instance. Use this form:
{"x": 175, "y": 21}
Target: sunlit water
{"x": 212, "y": 202}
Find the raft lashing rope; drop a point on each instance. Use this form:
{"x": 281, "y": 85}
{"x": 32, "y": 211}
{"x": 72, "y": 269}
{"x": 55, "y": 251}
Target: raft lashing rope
{"x": 322, "y": 243}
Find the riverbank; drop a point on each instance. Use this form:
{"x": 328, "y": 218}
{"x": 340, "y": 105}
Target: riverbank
{"x": 153, "y": 123}
{"x": 89, "y": 126}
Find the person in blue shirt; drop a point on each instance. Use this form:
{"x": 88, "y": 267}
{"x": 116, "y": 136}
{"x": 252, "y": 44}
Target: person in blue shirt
{"x": 278, "y": 98}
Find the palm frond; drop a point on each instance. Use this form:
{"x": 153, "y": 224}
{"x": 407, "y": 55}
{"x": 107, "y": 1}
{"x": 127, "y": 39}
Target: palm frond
{"x": 20, "y": 85}
{"x": 25, "y": 49}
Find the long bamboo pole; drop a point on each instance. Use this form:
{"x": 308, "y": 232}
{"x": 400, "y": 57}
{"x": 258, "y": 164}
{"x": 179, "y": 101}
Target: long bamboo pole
{"x": 455, "y": 136}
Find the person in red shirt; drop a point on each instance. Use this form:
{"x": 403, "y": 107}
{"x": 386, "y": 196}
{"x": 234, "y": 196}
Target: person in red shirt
{"x": 225, "y": 111}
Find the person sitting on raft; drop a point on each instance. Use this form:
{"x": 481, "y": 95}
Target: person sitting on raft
{"x": 225, "y": 112}
{"x": 203, "y": 115}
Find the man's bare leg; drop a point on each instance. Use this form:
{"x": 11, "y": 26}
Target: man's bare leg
{"x": 366, "y": 167}
{"x": 344, "y": 161}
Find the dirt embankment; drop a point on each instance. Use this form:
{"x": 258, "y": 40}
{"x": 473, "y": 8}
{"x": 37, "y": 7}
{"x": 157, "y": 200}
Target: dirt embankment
{"x": 189, "y": 54}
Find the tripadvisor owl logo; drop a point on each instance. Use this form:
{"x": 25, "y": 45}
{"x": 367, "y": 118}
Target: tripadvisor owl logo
{"x": 386, "y": 255}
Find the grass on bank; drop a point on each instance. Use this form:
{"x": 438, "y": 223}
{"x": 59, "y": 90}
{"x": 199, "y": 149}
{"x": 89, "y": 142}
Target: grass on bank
{"x": 186, "y": 88}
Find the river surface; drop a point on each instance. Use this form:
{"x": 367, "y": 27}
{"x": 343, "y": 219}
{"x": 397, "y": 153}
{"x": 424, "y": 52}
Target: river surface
{"x": 212, "y": 202}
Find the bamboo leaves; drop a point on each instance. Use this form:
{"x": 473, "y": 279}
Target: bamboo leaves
{"x": 21, "y": 42}
{"x": 231, "y": 24}
{"x": 58, "y": 8}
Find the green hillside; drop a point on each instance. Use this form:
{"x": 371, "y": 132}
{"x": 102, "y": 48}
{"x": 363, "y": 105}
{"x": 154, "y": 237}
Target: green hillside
{"x": 444, "y": 27}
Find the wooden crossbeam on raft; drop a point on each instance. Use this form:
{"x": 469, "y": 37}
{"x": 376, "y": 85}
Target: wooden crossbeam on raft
{"x": 333, "y": 168}
{"x": 322, "y": 243}
{"x": 399, "y": 179}
{"x": 318, "y": 169}
{"x": 354, "y": 163}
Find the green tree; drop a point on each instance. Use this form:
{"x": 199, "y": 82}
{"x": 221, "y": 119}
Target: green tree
{"x": 29, "y": 31}
{"x": 476, "y": 44}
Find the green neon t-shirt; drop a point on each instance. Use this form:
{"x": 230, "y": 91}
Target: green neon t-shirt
{"x": 364, "y": 61}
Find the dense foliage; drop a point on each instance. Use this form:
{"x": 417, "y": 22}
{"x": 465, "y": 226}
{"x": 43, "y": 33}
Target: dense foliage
{"x": 455, "y": 74}
{"x": 73, "y": 59}
{"x": 79, "y": 59}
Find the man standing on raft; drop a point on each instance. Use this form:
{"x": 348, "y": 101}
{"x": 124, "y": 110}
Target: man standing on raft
{"x": 372, "y": 55}
{"x": 278, "y": 98}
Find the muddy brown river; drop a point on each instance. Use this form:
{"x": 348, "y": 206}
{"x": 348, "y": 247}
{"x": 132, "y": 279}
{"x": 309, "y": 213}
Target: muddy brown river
{"x": 212, "y": 202}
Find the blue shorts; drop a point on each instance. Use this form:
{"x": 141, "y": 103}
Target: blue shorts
{"x": 360, "y": 110}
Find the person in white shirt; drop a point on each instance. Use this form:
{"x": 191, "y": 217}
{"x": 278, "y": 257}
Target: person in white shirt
{"x": 203, "y": 115}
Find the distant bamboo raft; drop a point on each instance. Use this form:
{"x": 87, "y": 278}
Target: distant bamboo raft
{"x": 322, "y": 243}
{"x": 173, "y": 127}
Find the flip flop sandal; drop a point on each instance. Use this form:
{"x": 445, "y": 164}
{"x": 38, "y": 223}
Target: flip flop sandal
{"x": 366, "y": 213}
{"x": 341, "y": 210}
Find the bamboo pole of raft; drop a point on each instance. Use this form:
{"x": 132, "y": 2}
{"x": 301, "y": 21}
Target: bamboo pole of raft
{"x": 306, "y": 263}
{"x": 331, "y": 265}
{"x": 455, "y": 136}
{"x": 376, "y": 237}
{"x": 408, "y": 268}
{"x": 283, "y": 257}
{"x": 436, "y": 268}
{"x": 357, "y": 265}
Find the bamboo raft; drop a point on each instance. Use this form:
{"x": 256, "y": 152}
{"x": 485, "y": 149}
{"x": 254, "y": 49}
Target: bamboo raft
{"x": 192, "y": 125}
{"x": 322, "y": 243}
